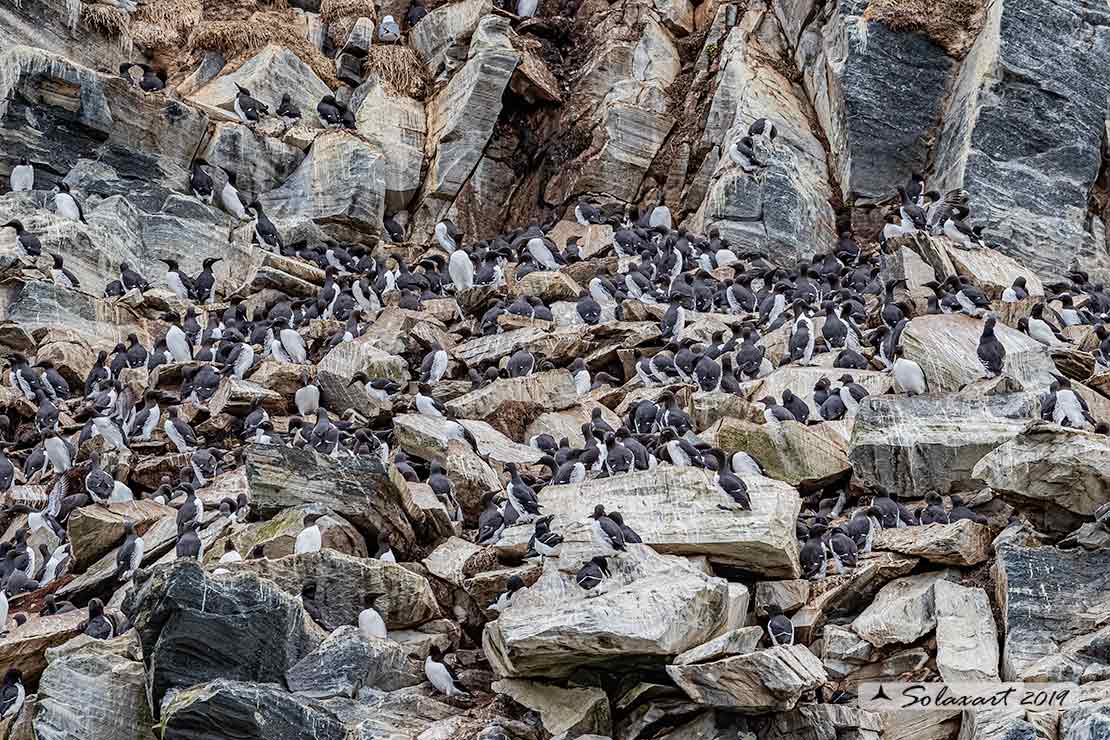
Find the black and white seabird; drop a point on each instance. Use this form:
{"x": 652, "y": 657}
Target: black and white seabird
{"x": 12, "y": 693}
{"x": 592, "y": 573}
{"x": 440, "y": 675}
{"x": 288, "y": 109}
{"x": 130, "y": 554}
{"x": 67, "y": 204}
{"x": 780, "y": 630}
{"x": 606, "y": 532}
{"x": 232, "y": 200}
{"x": 22, "y": 178}
{"x": 249, "y": 110}
{"x": 99, "y": 625}
{"x": 992, "y": 354}
{"x": 27, "y": 242}
{"x": 309, "y": 539}
{"x": 265, "y": 232}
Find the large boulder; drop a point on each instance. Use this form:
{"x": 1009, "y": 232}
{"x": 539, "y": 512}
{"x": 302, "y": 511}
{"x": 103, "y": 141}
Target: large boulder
{"x": 680, "y": 511}
{"x": 461, "y": 117}
{"x": 573, "y": 710}
{"x": 782, "y": 207}
{"x": 945, "y": 346}
{"x": 767, "y": 680}
{"x": 94, "y": 689}
{"x": 398, "y": 125}
{"x": 260, "y": 163}
{"x": 346, "y": 661}
{"x": 230, "y": 708}
{"x": 654, "y": 606}
{"x": 914, "y": 444}
{"x": 902, "y": 611}
{"x": 272, "y": 72}
{"x": 56, "y": 112}
{"x": 25, "y": 647}
{"x": 1027, "y": 140}
{"x": 340, "y": 185}
{"x": 804, "y": 456}
{"x": 364, "y": 492}
{"x": 343, "y": 582}
{"x": 1053, "y": 466}
{"x": 194, "y": 628}
{"x": 967, "y": 638}
{"x": 1050, "y": 601}
{"x": 963, "y": 543}
{"x": 94, "y": 530}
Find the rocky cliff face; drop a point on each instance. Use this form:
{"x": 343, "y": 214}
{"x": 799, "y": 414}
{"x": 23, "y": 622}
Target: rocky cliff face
{"x": 496, "y": 123}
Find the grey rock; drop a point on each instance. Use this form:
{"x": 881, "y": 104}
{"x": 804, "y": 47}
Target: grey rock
{"x": 576, "y": 711}
{"x": 461, "y": 117}
{"x": 281, "y": 477}
{"x": 914, "y": 444}
{"x": 229, "y": 708}
{"x": 52, "y": 25}
{"x": 251, "y": 629}
{"x": 767, "y": 680}
{"x": 1061, "y": 122}
{"x": 92, "y": 688}
{"x": 734, "y": 642}
{"x": 398, "y": 125}
{"x": 677, "y": 511}
{"x": 340, "y": 185}
{"x": 653, "y": 606}
{"x": 855, "y": 83}
{"x": 902, "y": 611}
{"x": 1051, "y": 465}
{"x": 260, "y": 163}
{"x": 786, "y": 204}
{"x": 136, "y": 134}
{"x": 446, "y": 26}
{"x": 1052, "y": 613}
{"x": 270, "y": 73}
{"x": 967, "y": 639}
{"x": 342, "y": 583}
{"x": 347, "y": 662}
{"x": 963, "y": 543}
{"x": 945, "y": 347}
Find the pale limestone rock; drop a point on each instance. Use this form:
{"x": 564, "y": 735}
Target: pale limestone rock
{"x": 902, "y": 611}
{"x": 967, "y": 639}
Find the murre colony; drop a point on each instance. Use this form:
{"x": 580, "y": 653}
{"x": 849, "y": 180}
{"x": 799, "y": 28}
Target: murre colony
{"x": 352, "y": 460}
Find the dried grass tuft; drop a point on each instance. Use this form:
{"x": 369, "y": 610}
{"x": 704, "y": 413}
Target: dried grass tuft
{"x": 240, "y": 39}
{"x": 105, "y": 20}
{"x": 400, "y": 69}
{"x": 333, "y": 10}
{"x": 165, "y": 24}
{"x": 952, "y": 25}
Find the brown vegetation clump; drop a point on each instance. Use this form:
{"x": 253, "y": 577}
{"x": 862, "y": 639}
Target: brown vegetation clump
{"x": 165, "y": 24}
{"x": 238, "y": 40}
{"x": 400, "y": 69}
{"x": 340, "y": 16}
{"x": 952, "y": 25}
{"x": 104, "y": 19}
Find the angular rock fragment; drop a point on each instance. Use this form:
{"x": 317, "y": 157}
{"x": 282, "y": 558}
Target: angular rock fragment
{"x": 963, "y": 543}
{"x": 767, "y": 680}
{"x": 223, "y": 708}
{"x": 967, "y": 639}
{"x": 347, "y": 661}
{"x": 902, "y": 611}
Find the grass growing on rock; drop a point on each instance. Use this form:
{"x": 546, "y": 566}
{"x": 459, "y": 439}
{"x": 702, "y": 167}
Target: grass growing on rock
{"x": 105, "y": 19}
{"x": 238, "y": 40}
{"x": 952, "y": 25}
{"x": 400, "y": 69}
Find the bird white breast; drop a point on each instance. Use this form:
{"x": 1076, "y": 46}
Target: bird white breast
{"x": 371, "y": 624}
{"x": 1069, "y": 409}
{"x": 173, "y": 280}
{"x": 229, "y": 196}
{"x": 1009, "y": 296}
{"x": 231, "y": 556}
{"x": 439, "y": 366}
{"x": 439, "y": 677}
{"x": 461, "y": 270}
{"x": 178, "y": 345}
{"x": 527, "y": 9}
{"x": 307, "y": 400}
{"x": 891, "y": 231}
{"x": 539, "y": 251}
{"x": 909, "y": 376}
{"x": 120, "y": 494}
{"x": 61, "y": 279}
{"x": 1040, "y": 331}
{"x": 425, "y": 406}
{"x": 309, "y": 540}
{"x": 244, "y": 361}
{"x": 294, "y": 346}
{"x": 582, "y": 382}
{"x": 677, "y": 454}
{"x": 660, "y": 216}
{"x": 67, "y": 206}
{"x": 23, "y": 178}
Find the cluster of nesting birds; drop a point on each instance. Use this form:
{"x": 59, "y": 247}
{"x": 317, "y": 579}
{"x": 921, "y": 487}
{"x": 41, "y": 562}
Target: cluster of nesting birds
{"x": 668, "y": 267}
